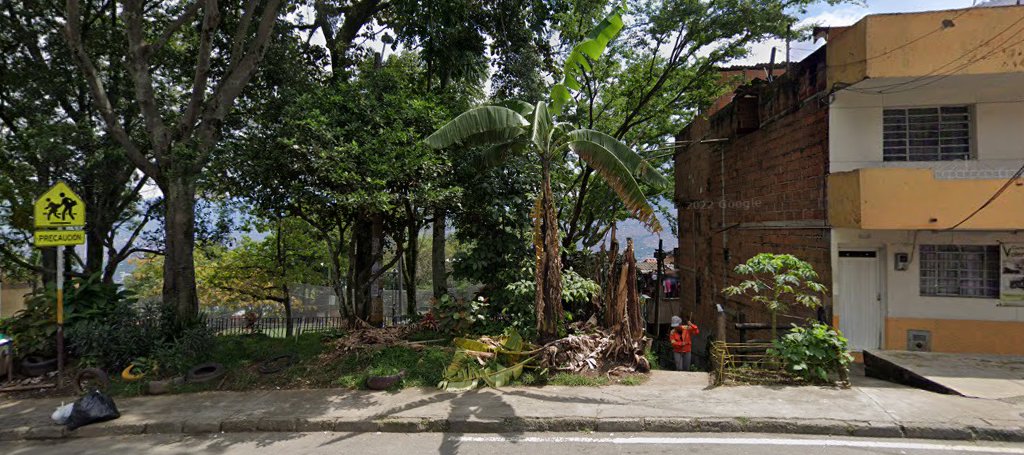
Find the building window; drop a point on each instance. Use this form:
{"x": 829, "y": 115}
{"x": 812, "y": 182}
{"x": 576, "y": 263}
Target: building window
{"x": 927, "y": 134}
{"x": 960, "y": 271}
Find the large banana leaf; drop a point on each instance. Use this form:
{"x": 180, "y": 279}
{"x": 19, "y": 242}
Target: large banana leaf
{"x": 522, "y": 107}
{"x": 635, "y": 164}
{"x": 474, "y": 122}
{"x": 542, "y": 127}
{"x": 577, "y": 62}
{"x": 498, "y": 153}
{"x": 492, "y": 137}
{"x": 468, "y": 367}
{"x": 594, "y": 150}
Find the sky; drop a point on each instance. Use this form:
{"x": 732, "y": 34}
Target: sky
{"x": 823, "y": 14}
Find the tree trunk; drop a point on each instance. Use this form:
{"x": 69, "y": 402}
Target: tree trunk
{"x": 411, "y": 264}
{"x": 289, "y": 328}
{"x": 549, "y": 265}
{"x": 376, "y": 281}
{"x": 282, "y": 263}
{"x": 361, "y": 264}
{"x": 179, "y": 265}
{"x": 438, "y": 265}
{"x": 94, "y": 248}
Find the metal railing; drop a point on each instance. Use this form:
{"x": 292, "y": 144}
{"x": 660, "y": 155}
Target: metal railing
{"x": 274, "y": 326}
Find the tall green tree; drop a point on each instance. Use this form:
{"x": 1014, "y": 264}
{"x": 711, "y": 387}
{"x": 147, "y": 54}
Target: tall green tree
{"x": 188, "y": 62}
{"x": 48, "y": 132}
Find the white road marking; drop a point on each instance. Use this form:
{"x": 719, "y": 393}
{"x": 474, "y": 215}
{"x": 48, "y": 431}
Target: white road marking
{"x": 861, "y": 444}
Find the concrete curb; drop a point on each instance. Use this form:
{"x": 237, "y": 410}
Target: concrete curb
{"x": 940, "y": 431}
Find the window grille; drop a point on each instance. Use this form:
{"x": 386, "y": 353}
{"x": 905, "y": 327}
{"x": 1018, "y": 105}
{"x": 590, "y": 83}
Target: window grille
{"x": 960, "y": 271}
{"x": 927, "y": 134}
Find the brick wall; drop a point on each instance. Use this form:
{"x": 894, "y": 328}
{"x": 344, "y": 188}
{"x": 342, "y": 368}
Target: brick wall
{"x": 758, "y": 191}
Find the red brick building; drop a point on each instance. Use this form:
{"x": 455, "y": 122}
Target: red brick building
{"x": 751, "y": 178}
{"x": 891, "y": 160}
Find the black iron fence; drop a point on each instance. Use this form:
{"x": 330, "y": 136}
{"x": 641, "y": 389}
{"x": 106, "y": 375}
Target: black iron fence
{"x": 273, "y": 326}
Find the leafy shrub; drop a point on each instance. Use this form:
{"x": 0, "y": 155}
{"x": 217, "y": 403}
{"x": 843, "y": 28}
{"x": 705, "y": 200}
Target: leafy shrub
{"x": 818, "y": 353}
{"x": 517, "y": 302}
{"x": 460, "y": 316}
{"x": 147, "y": 334}
{"x": 778, "y": 281}
{"x": 34, "y": 328}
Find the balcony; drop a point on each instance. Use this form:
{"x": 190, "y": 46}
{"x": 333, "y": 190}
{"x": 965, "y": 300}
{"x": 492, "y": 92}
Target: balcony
{"x": 901, "y": 198}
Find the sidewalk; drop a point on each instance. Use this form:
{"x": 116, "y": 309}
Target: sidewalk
{"x": 669, "y": 402}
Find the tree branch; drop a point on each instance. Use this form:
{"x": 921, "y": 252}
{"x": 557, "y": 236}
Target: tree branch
{"x": 73, "y": 35}
{"x": 173, "y": 27}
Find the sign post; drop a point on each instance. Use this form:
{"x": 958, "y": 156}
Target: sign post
{"x": 59, "y": 219}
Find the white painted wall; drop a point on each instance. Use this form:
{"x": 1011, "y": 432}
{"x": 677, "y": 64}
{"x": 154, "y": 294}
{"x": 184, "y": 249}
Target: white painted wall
{"x": 855, "y": 123}
{"x": 902, "y": 288}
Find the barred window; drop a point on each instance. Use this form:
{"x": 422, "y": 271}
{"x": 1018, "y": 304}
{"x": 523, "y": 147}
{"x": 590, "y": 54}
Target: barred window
{"x": 960, "y": 271}
{"x": 927, "y": 134}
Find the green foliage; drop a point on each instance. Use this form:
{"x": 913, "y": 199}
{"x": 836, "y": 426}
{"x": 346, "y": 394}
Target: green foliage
{"x": 817, "y": 354}
{"x": 422, "y": 368}
{"x": 133, "y": 334}
{"x": 460, "y": 316}
{"x": 579, "y": 59}
{"x": 778, "y": 281}
{"x": 34, "y": 328}
{"x": 495, "y": 362}
{"x": 577, "y": 380}
{"x": 515, "y": 303}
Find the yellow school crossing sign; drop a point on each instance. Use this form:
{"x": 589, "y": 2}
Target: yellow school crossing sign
{"x": 59, "y": 207}
{"x": 56, "y": 210}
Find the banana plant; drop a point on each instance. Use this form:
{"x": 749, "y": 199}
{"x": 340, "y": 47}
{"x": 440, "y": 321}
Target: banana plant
{"x": 495, "y": 362}
{"x": 517, "y": 127}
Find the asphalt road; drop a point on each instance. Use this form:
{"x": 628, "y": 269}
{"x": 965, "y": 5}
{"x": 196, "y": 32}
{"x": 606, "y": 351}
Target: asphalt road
{"x": 531, "y": 443}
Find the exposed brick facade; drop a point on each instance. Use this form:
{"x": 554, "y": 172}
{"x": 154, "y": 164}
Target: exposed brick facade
{"x": 756, "y": 191}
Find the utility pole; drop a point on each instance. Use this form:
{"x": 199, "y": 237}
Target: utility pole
{"x": 659, "y": 255}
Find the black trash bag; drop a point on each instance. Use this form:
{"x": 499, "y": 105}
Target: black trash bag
{"x": 93, "y": 407}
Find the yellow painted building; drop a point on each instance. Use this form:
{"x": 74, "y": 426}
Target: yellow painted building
{"x": 926, "y": 205}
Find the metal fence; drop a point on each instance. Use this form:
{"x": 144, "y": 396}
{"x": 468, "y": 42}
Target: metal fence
{"x": 273, "y": 326}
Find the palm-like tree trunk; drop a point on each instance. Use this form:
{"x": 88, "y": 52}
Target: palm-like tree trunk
{"x": 549, "y": 263}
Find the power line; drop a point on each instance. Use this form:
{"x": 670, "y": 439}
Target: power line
{"x": 945, "y": 25}
{"x": 995, "y": 196}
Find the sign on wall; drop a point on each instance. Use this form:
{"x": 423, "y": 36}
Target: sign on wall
{"x": 1011, "y": 276}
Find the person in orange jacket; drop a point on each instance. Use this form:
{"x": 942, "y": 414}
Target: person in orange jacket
{"x": 681, "y": 342}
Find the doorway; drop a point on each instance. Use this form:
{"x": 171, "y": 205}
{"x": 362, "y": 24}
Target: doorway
{"x": 860, "y": 298}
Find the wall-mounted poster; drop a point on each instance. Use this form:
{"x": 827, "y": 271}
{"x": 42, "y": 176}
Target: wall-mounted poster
{"x": 1011, "y": 277}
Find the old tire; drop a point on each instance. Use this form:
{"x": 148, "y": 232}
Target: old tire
{"x": 277, "y": 363}
{"x": 34, "y": 365}
{"x": 205, "y": 372}
{"x": 99, "y": 378}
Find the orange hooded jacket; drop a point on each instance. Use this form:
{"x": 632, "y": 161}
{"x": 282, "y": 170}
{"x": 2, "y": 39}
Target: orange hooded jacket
{"x": 680, "y": 337}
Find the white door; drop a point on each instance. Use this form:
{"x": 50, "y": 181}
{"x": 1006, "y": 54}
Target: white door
{"x": 860, "y": 299}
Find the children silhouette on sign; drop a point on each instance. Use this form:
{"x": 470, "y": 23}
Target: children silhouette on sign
{"x": 51, "y": 209}
{"x": 67, "y": 203}
{"x": 66, "y": 208}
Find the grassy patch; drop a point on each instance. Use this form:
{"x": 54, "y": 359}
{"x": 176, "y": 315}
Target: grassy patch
{"x": 577, "y": 380}
{"x": 241, "y": 355}
{"x": 423, "y": 368}
{"x": 633, "y": 379}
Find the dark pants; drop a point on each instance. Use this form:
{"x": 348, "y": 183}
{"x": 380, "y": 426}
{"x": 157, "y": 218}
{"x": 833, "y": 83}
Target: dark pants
{"x": 682, "y": 360}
